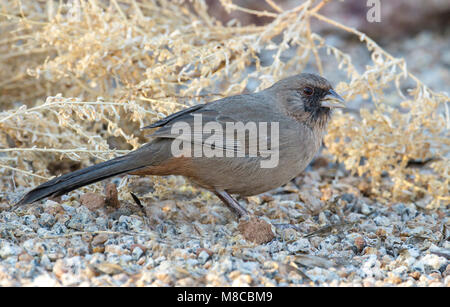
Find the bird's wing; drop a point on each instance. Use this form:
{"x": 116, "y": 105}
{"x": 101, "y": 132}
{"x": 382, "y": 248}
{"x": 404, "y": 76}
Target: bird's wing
{"x": 252, "y": 112}
{"x": 175, "y": 116}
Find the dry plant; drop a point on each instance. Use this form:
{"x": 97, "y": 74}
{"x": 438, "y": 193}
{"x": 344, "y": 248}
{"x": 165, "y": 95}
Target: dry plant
{"x": 130, "y": 62}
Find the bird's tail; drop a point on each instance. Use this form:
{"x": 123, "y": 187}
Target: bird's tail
{"x": 71, "y": 181}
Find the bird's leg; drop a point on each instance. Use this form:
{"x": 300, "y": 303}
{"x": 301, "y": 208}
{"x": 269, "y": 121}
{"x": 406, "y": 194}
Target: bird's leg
{"x": 231, "y": 203}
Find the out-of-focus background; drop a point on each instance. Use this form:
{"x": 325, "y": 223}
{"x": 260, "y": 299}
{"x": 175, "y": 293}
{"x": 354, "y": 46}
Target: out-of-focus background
{"x": 417, "y": 30}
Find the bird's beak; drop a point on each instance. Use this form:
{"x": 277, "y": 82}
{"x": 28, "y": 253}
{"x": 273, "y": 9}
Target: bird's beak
{"x": 333, "y": 100}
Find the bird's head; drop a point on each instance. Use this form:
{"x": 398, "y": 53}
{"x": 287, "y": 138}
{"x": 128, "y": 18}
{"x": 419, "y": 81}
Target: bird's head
{"x": 308, "y": 98}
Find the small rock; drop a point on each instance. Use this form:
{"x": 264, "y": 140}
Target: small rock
{"x": 381, "y": 221}
{"x": 319, "y": 162}
{"x": 360, "y": 243}
{"x": 381, "y": 232}
{"x": 141, "y": 261}
{"x": 242, "y": 281}
{"x": 200, "y": 250}
{"x": 192, "y": 262}
{"x": 347, "y": 197}
{"x": 99, "y": 239}
{"x": 266, "y": 198}
{"x": 134, "y": 246}
{"x": 447, "y": 271}
{"x": 107, "y": 268}
{"x": 365, "y": 209}
{"x": 301, "y": 245}
{"x": 8, "y": 249}
{"x": 47, "y": 220}
{"x": 98, "y": 249}
{"x": 111, "y": 199}
{"x": 25, "y": 257}
{"x": 256, "y": 230}
{"x": 433, "y": 261}
{"x": 435, "y": 275}
{"x": 60, "y": 268}
{"x": 415, "y": 275}
{"x": 92, "y": 201}
{"x": 116, "y": 250}
{"x": 203, "y": 256}
{"x": 52, "y": 207}
{"x": 371, "y": 267}
{"x": 69, "y": 209}
{"x": 137, "y": 253}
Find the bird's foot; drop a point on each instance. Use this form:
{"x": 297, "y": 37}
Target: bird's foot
{"x": 231, "y": 203}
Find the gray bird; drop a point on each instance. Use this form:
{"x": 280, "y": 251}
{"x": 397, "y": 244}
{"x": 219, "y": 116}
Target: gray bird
{"x": 299, "y": 107}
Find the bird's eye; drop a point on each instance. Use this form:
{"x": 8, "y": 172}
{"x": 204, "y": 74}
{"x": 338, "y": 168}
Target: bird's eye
{"x": 308, "y": 91}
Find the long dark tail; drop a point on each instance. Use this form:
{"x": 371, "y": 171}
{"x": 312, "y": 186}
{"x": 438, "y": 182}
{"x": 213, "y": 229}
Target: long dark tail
{"x": 71, "y": 181}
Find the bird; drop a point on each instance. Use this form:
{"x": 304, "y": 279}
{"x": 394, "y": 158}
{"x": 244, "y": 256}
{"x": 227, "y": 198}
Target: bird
{"x": 297, "y": 110}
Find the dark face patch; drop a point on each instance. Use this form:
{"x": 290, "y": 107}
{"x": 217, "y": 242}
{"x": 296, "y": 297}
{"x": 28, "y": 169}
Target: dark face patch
{"x": 312, "y": 103}
{"x": 302, "y": 97}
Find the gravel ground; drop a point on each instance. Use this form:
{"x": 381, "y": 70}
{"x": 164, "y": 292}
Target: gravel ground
{"x": 338, "y": 235}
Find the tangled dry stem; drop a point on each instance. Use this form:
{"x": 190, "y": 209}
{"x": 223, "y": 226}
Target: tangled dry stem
{"x": 131, "y": 62}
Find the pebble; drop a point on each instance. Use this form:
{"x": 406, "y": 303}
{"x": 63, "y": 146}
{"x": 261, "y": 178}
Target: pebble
{"x": 8, "y": 249}
{"x": 137, "y": 253}
{"x": 111, "y": 196}
{"x": 92, "y": 201}
{"x": 256, "y": 230}
{"x": 203, "y": 257}
{"x": 99, "y": 239}
{"x": 301, "y": 245}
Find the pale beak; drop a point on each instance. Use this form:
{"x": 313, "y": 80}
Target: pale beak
{"x": 333, "y": 100}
